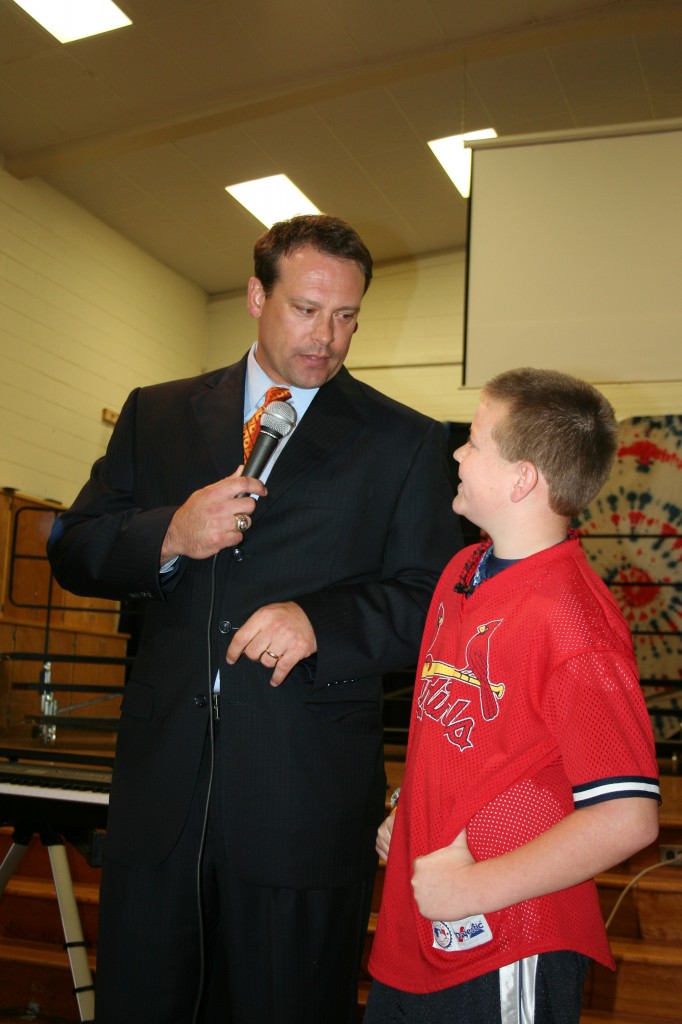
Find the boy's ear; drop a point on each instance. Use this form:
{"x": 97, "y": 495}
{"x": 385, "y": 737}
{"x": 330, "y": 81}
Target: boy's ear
{"x": 526, "y": 480}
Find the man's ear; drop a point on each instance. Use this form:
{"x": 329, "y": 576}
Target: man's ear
{"x": 526, "y": 480}
{"x": 255, "y": 297}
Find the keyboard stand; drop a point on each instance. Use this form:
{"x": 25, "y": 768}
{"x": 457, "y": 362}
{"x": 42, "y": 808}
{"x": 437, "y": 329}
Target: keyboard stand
{"x": 74, "y": 942}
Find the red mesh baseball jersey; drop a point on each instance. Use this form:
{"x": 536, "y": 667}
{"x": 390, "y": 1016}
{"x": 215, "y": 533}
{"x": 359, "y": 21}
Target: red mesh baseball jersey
{"x": 527, "y": 705}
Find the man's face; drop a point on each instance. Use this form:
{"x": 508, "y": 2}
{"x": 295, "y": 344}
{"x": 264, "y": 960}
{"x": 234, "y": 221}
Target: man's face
{"x": 486, "y": 479}
{"x": 306, "y": 324}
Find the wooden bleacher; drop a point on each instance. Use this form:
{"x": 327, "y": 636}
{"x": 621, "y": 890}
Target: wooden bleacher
{"x": 62, "y": 670}
{"x": 42, "y": 623}
{"x": 646, "y": 933}
{"x": 37, "y": 617}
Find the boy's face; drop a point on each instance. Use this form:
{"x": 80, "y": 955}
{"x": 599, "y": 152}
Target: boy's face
{"x": 486, "y": 479}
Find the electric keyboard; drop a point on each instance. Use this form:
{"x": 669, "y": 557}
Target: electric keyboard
{"x": 56, "y": 782}
{"x": 41, "y": 797}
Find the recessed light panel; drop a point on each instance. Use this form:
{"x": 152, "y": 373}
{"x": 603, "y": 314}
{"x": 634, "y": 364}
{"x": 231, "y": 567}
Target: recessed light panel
{"x": 455, "y": 157}
{"x": 67, "y": 20}
{"x": 271, "y": 199}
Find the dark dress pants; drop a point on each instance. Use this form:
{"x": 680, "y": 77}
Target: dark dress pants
{"x": 251, "y": 955}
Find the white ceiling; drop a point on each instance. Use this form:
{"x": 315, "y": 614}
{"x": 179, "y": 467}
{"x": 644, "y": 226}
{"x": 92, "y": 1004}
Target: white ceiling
{"x": 146, "y": 125}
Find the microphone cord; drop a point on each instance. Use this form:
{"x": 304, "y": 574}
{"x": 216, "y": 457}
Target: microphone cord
{"x": 204, "y": 827}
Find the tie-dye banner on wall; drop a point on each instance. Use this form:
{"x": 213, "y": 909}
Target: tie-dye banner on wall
{"x": 632, "y": 535}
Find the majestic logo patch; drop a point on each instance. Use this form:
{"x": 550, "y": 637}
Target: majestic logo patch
{"x": 456, "y": 936}
{"x": 435, "y": 700}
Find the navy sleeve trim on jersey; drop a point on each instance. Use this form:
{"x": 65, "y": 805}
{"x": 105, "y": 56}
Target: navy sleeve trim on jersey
{"x": 615, "y": 788}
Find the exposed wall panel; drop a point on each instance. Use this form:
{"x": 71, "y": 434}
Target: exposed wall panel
{"x": 84, "y": 317}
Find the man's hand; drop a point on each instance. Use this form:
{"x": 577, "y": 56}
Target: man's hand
{"x": 206, "y": 523}
{"x": 278, "y": 635}
{"x": 384, "y": 834}
{"x": 439, "y": 882}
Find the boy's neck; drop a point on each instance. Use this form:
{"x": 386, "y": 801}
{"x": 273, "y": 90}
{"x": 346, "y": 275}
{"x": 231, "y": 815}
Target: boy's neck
{"x": 522, "y": 545}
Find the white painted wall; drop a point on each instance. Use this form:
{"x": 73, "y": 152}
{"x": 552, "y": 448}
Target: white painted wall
{"x": 85, "y": 316}
{"x": 410, "y": 342}
{"x": 230, "y": 330}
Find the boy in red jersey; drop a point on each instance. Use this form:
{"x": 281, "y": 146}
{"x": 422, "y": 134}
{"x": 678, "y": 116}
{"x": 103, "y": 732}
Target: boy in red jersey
{"x": 531, "y": 764}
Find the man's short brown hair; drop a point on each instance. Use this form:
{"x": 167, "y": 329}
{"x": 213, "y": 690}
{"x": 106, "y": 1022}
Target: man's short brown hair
{"x": 328, "y": 235}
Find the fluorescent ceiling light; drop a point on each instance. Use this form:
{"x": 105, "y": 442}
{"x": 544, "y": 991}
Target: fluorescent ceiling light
{"x": 455, "y": 157}
{"x": 75, "y": 19}
{"x": 271, "y": 199}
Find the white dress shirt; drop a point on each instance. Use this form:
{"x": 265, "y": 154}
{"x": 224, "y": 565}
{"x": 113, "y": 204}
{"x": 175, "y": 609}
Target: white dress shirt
{"x": 257, "y": 383}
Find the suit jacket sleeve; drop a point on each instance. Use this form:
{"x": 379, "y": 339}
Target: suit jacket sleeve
{"x": 105, "y": 546}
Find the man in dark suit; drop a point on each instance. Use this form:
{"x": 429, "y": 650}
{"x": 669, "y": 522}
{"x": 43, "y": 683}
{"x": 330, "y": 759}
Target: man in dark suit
{"x": 249, "y": 775}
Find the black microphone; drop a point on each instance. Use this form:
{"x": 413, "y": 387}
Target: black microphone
{"x": 278, "y": 420}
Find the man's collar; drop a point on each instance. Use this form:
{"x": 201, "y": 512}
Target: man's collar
{"x": 258, "y": 382}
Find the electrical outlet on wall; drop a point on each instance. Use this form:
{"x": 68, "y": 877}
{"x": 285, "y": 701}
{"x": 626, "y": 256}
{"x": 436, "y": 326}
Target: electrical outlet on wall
{"x": 109, "y": 416}
{"x": 671, "y": 853}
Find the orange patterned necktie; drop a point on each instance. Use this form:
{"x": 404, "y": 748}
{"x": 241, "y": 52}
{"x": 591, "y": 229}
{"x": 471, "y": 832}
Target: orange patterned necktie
{"x": 252, "y": 426}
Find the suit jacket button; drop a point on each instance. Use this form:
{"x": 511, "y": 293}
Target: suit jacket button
{"x": 238, "y": 554}
{"x": 201, "y": 700}
{"x": 224, "y": 626}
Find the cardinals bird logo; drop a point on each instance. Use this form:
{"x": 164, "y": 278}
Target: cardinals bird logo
{"x": 475, "y": 672}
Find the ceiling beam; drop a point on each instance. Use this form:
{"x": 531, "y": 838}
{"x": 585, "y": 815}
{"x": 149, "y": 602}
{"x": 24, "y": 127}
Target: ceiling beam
{"x": 609, "y": 20}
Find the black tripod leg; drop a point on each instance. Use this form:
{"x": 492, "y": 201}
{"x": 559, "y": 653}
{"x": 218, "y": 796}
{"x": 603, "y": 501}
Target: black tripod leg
{"x": 13, "y": 857}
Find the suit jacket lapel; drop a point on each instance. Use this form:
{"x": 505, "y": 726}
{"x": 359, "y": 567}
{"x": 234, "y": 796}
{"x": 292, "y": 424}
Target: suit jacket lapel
{"x": 219, "y": 411}
{"x": 333, "y": 414}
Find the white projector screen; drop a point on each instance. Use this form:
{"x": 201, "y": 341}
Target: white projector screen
{"x": 575, "y": 256}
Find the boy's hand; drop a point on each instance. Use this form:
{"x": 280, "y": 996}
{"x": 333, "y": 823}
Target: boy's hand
{"x": 384, "y": 835}
{"x": 439, "y": 882}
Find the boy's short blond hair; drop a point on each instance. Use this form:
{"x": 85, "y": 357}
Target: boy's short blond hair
{"x": 561, "y": 424}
